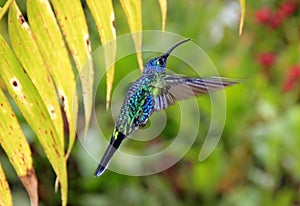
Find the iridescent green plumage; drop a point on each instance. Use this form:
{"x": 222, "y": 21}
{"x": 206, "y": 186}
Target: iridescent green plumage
{"x": 155, "y": 90}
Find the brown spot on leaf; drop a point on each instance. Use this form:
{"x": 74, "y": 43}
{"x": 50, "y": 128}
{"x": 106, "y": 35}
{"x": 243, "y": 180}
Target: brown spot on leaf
{"x": 15, "y": 83}
{"x": 72, "y": 52}
{"x": 87, "y": 41}
{"x": 65, "y": 119}
{"x": 52, "y": 111}
{"x": 21, "y": 19}
{"x": 43, "y": 115}
{"x": 63, "y": 99}
{"x": 113, "y": 23}
{"x": 52, "y": 135}
{"x": 23, "y": 68}
{"x": 22, "y": 155}
{"x": 56, "y": 150}
{"x": 48, "y": 78}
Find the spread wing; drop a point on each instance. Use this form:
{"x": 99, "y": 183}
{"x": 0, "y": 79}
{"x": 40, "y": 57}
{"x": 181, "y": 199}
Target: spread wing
{"x": 181, "y": 87}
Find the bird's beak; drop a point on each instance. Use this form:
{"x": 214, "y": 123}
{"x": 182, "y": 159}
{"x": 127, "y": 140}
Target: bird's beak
{"x": 173, "y": 47}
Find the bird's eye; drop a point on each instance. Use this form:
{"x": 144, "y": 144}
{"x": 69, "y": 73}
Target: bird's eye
{"x": 160, "y": 62}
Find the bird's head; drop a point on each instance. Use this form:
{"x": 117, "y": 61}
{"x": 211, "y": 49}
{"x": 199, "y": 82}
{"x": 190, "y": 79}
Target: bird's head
{"x": 158, "y": 64}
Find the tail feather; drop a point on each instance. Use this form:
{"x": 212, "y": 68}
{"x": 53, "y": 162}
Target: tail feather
{"x": 114, "y": 144}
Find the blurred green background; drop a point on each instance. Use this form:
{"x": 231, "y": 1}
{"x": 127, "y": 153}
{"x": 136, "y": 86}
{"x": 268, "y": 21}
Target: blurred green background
{"x": 257, "y": 161}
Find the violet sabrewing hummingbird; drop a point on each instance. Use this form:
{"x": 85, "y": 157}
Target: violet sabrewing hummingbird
{"x": 155, "y": 90}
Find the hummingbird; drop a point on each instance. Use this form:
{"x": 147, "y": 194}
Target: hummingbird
{"x": 155, "y": 90}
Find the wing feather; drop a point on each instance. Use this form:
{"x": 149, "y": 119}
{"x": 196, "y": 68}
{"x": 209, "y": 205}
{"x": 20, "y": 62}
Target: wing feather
{"x": 184, "y": 87}
{"x": 181, "y": 87}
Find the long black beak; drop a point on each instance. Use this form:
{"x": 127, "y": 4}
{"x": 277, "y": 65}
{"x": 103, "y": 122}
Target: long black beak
{"x": 173, "y": 47}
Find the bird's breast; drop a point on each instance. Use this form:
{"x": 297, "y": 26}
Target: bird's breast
{"x": 134, "y": 106}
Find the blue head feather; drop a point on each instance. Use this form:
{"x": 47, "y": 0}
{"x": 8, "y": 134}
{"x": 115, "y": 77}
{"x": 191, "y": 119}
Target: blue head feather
{"x": 158, "y": 64}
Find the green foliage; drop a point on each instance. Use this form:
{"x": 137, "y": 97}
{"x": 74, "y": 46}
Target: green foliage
{"x": 38, "y": 75}
{"x": 257, "y": 159}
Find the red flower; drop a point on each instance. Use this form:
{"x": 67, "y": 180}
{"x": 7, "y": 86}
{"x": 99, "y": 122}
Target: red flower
{"x": 266, "y": 59}
{"x": 284, "y": 10}
{"x": 292, "y": 76}
{"x": 263, "y": 15}
{"x": 294, "y": 72}
{"x": 276, "y": 20}
{"x": 287, "y": 8}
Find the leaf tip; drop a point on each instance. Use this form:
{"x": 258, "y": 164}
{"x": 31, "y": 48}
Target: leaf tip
{"x": 243, "y": 10}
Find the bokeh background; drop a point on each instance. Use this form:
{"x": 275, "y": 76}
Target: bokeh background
{"x": 257, "y": 161}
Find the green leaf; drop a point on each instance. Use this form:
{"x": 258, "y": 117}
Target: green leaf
{"x": 163, "y": 8}
{"x": 71, "y": 19}
{"x": 104, "y": 16}
{"x": 5, "y": 8}
{"x": 5, "y": 197}
{"x": 243, "y": 11}
{"x": 30, "y": 103}
{"x": 55, "y": 54}
{"x": 28, "y": 54}
{"x": 17, "y": 149}
{"x": 133, "y": 12}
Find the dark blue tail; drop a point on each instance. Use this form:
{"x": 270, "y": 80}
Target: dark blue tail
{"x": 114, "y": 144}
